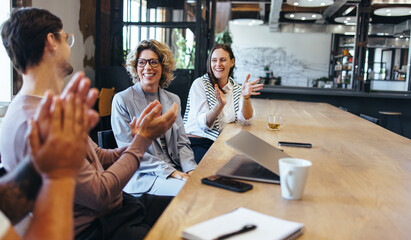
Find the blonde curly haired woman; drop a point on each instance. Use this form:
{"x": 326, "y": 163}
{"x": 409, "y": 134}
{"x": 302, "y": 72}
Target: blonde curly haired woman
{"x": 169, "y": 161}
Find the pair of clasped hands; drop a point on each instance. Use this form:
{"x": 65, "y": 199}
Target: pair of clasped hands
{"x": 59, "y": 131}
{"x": 154, "y": 109}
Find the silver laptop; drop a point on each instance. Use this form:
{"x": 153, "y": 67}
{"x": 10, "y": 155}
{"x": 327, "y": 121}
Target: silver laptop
{"x": 258, "y": 161}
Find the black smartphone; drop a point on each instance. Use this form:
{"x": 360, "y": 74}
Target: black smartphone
{"x": 295, "y": 144}
{"x": 226, "y": 183}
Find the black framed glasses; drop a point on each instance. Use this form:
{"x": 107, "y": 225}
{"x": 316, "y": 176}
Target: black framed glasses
{"x": 141, "y": 62}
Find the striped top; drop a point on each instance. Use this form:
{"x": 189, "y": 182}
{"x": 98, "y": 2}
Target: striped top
{"x": 191, "y": 116}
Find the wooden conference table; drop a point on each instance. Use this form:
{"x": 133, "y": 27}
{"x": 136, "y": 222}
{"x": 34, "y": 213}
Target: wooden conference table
{"x": 359, "y": 185}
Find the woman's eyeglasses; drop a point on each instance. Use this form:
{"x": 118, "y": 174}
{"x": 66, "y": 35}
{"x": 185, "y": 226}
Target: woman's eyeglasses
{"x": 141, "y": 62}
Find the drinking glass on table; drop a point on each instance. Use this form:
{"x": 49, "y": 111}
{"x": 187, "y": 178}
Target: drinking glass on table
{"x": 275, "y": 122}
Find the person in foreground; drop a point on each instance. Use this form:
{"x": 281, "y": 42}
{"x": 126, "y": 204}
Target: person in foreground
{"x": 49, "y": 172}
{"x": 215, "y": 100}
{"x": 40, "y": 50}
{"x": 169, "y": 161}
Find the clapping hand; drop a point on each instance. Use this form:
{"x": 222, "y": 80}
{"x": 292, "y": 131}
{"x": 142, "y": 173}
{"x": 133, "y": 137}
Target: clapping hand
{"x": 251, "y": 88}
{"x": 151, "y": 124}
{"x": 60, "y": 153}
{"x": 220, "y": 96}
{"x": 79, "y": 86}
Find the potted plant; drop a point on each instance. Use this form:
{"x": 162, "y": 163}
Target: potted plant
{"x": 224, "y": 37}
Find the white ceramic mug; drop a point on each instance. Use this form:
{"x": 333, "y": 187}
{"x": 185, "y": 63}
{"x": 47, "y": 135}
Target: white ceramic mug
{"x": 293, "y": 175}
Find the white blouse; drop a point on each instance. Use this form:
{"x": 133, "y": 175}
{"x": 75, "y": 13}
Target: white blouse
{"x": 196, "y": 121}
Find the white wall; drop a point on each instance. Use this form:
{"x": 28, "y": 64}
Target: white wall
{"x": 69, "y": 12}
{"x": 297, "y": 57}
{"x": 6, "y": 86}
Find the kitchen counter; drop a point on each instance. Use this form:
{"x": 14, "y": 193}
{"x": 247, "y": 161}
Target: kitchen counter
{"x": 369, "y": 103}
{"x": 334, "y": 92}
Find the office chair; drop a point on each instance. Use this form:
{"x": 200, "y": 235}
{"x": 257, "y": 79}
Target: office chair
{"x": 181, "y": 86}
{"x": 388, "y": 121}
{"x": 371, "y": 119}
{"x": 104, "y": 107}
{"x": 117, "y": 77}
{"x": 106, "y": 139}
{"x": 2, "y": 170}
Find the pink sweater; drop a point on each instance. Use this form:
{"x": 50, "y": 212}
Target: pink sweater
{"x": 101, "y": 179}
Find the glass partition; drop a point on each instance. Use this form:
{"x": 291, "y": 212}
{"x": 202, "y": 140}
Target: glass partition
{"x": 321, "y": 53}
{"x": 180, "y": 40}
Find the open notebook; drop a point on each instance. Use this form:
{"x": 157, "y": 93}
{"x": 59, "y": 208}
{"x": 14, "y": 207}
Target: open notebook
{"x": 267, "y": 227}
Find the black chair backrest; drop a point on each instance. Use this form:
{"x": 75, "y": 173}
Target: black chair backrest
{"x": 181, "y": 86}
{"x": 106, "y": 139}
{"x": 2, "y": 170}
{"x": 371, "y": 119}
{"x": 117, "y": 77}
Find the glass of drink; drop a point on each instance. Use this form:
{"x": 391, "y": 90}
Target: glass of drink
{"x": 275, "y": 122}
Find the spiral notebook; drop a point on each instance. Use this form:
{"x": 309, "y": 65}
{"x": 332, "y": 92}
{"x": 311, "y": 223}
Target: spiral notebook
{"x": 267, "y": 227}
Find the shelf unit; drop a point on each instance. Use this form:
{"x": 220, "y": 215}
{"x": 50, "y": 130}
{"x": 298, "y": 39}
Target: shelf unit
{"x": 342, "y": 69}
{"x": 385, "y": 63}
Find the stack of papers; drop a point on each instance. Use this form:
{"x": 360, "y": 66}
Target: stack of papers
{"x": 267, "y": 227}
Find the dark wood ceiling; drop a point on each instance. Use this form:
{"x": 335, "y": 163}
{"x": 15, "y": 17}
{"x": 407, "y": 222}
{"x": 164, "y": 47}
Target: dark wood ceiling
{"x": 251, "y": 9}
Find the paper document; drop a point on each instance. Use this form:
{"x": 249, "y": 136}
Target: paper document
{"x": 268, "y": 227}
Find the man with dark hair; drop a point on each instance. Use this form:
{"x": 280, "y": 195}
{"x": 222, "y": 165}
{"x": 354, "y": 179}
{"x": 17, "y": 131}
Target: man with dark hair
{"x": 24, "y": 37}
{"x": 101, "y": 210}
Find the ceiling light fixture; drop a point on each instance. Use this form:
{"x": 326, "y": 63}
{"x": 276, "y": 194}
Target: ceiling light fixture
{"x": 303, "y": 16}
{"x": 346, "y": 12}
{"x": 393, "y": 11}
{"x": 349, "y": 33}
{"x": 310, "y": 3}
{"x": 346, "y": 20}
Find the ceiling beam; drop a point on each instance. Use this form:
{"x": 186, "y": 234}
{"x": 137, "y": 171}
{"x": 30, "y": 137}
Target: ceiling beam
{"x": 245, "y": 9}
{"x": 390, "y": 2}
{"x": 274, "y": 17}
{"x": 331, "y": 10}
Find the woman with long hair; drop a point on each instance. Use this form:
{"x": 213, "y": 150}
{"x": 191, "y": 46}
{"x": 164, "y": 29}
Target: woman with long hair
{"x": 215, "y": 100}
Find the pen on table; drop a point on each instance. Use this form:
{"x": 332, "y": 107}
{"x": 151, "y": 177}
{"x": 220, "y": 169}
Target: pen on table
{"x": 246, "y": 228}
